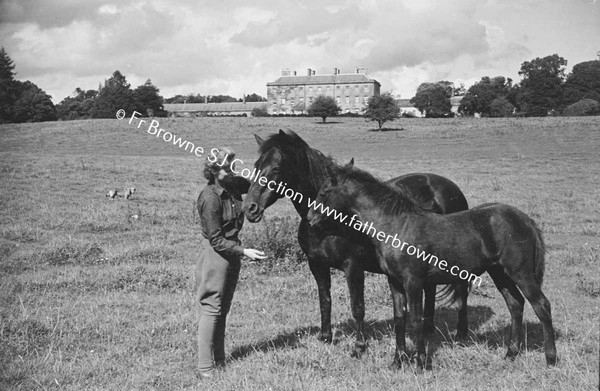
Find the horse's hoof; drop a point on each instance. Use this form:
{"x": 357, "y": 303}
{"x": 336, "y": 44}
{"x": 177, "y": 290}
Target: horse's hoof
{"x": 326, "y": 337}
{"x": 428, "y": 329}
{"x": 551, "y": 361}
{"x": 461, "y": 338}
{"x": 511, "y": 354}
{"x": 359, "y": 349}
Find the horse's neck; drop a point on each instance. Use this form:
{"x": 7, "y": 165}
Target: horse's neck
{"x": 369, "y": 210}
{"x": 303, "y": 185}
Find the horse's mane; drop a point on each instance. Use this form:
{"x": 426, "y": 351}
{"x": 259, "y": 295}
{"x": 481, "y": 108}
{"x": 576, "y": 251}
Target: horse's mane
{"x": 291, "y": 145}
{"x": 393, "y": 200}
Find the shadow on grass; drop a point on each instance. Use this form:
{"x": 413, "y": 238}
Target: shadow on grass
{"x": 445, "y": 321}
{"x": 282, "y": 341}
{"x": 328, "y": 122}
{"x": 377, "y": 330}
{"x": 386, "y": 130}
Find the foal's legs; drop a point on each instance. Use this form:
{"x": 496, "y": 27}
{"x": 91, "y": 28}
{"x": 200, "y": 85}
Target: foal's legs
{"x": 322, "y": 275}
{"x": 414, "y": 293}
{"x": 429, "y": 309}
{"x": 355, "y": 277}
{"x": 399, "y": 302}
{"x": 541, "y": 307}
{"x": 515, "y": 302}
{"x": 462, "y": 326}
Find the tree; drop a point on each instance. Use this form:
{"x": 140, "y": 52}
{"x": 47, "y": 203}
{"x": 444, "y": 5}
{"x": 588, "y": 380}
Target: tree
{"x": 148, "y": 101}
{"x": 582, "y": 83}
{"x": 33, "y": 104}
{"x": 8, "y": 87}
{"x": 323, "y": 106}
{"x": 114, "y": 95}
{"x": 541, "y": 87}
{"x": 583, "y": 107}
{"x": 382, "y": 108}
{"x": 480, "y": 95}
{"x": 501, "y": 107}
{"x": 78, "y": 105}
{"x": 433, "y": 99}
{"x": 255, "y": 98}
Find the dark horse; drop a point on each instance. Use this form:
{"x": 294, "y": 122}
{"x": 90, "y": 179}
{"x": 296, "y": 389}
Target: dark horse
{"x": 496, "y": 238}
{"x": 286, "y": 158}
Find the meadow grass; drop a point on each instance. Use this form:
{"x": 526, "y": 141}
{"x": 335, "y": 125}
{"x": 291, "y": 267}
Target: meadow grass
{"x": 98, "y": 294}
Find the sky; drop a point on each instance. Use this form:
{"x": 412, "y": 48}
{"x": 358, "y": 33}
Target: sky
{"x": 234, "y": 47}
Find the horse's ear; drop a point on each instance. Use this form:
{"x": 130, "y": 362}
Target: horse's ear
{"x": 259, "y": 140}
{"x": 350, "y": 164}
{"x": 331, "y": 175}
{"x": 282, "y": 133}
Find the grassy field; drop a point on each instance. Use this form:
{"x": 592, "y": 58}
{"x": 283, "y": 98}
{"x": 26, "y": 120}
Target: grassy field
{"x": 98, "y": 295}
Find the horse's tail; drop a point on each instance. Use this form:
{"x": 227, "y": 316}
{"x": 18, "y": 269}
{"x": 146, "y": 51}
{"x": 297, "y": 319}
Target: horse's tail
{"x": 450, "y": 294}
{"x": 539, "y": 264}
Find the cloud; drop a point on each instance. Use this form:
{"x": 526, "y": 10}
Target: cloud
{"x": 235, "y": 47}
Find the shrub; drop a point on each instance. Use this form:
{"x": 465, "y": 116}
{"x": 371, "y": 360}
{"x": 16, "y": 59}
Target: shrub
{"x": 260, "y": 111}
{"x": 583, "y": 107}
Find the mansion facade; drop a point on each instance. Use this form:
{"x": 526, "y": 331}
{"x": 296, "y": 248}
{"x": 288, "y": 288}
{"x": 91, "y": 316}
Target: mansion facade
{"x": 292, "y": 93}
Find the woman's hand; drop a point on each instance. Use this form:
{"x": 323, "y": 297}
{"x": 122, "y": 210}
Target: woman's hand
{"x": 254, "y": 254}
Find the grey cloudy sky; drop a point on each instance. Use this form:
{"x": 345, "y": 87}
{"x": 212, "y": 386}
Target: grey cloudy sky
{"x": 235, "y": 47}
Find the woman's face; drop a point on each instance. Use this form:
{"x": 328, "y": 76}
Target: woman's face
{"x": 224, "y": 172}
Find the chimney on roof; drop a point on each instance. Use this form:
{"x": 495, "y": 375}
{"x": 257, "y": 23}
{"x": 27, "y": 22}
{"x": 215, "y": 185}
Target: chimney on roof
{"x": 285, "y": 72}
{"x": 294, "y": 73}
{"x": 335, "y": 71}
{"x": 309, "y": 72}
{"x": 361, "y": 70}
{"x": 314, "y": 72}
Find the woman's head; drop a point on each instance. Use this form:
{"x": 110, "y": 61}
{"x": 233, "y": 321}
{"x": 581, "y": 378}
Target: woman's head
{"x": 220, "y": 167}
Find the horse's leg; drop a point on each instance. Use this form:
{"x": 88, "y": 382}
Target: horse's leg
{"x": 399, "y": 302}
{"x": 462, "y": 326}
{"x": 322, "y": 275}
{"x": 414, "y": 293}
{"x": 355, "y": 277}
{"x": 541, "y": 307}
{"x": 429, "y": 310}
{"x": 515, "y": 302}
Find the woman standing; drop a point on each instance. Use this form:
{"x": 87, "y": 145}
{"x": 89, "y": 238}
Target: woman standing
{"x": 217, "y": 270}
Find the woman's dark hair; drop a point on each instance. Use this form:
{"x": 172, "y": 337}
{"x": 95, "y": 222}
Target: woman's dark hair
{"x": 212, "y": 168}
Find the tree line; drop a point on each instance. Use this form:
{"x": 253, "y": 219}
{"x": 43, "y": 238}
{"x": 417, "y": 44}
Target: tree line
{"x": 26, "y": 102}
{"x": 544, "y": 90}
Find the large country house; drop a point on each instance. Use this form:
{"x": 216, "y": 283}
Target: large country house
{"x": 292, "y": 93}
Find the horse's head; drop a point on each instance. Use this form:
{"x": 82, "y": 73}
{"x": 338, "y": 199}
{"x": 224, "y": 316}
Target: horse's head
{"x": 275, "y": 166}
{"x": 335, "y": 193}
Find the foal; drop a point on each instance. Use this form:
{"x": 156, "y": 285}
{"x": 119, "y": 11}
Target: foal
{"x": 496, "y": 238}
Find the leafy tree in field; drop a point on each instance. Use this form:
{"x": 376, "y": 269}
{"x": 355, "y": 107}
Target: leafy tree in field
{"x": 583, "y": 107}
{"x": 541, "y": 89}
{"x": 255, "y": 98}
{"x": 382, "y": 108}
{"x": 8, "y": 87}
{"x": 77, "y": 106}
{"x": 33, "y": 104}
{"x": 323, "y": 106}
{"x": 480, "y": 96}
{"x": 114, "y": 95}
{"x": 148, "y": 101}
{"x": 501, "y": 107}
{"x": 582, "y": 83}
{"x": 433, "y": 99}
